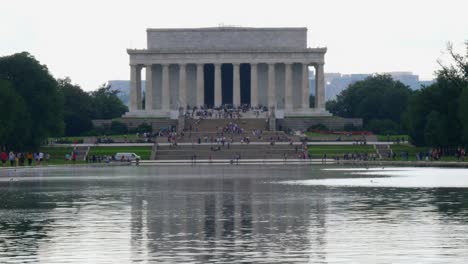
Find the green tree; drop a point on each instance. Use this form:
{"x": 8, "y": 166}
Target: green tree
{"x": 14, "y": 120}
{"x": 463, "y": 113}
{"x": 117, "y": 127}
{"x": 435, "y": 130}
{"x": 42, "y": 105}
{"x": 437, "y": 114}
{"x": 106, "y": 104}
{"x": 78, "y": 108}
{"x": 377, "y": 97}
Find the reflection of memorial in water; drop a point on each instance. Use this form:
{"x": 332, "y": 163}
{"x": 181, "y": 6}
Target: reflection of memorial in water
{"x": 219, "y": 216}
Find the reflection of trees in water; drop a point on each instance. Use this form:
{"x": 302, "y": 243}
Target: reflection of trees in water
{"x": 23, "y": 222}
{"x": 399, "y": 204}
{"x": 451, "y": 202}
{"x": 226, "y": 219}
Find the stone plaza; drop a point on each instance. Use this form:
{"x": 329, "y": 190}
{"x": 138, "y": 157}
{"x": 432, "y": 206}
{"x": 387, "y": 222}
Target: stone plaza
{"x": 211, "y": 67}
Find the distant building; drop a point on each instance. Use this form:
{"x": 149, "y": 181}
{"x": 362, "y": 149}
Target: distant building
{"x": 123, "y": 86}
{"x": 335, "y": 83}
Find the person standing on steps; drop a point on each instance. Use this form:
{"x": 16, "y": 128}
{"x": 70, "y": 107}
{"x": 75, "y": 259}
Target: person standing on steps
{"x": 11, "y": 157}
{"x": 3, "y": 157}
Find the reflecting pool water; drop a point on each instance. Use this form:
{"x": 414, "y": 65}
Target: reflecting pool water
{"x": 234, "y": 214}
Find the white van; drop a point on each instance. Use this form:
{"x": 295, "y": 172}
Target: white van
{"x": 126, "y": 156}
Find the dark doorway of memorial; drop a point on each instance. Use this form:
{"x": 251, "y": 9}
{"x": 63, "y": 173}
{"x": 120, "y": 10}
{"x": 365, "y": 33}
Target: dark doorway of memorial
{"x": 245, "y": 83}
{"x": 226, "y": 83}
{"x": 208, "y": 76}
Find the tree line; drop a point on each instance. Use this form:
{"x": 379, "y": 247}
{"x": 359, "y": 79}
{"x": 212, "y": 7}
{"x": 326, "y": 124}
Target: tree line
{"x": 436, "y": 115}
{"x": 35, "y": 106}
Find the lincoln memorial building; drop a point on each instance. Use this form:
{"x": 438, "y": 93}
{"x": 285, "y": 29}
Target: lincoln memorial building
{"x": 235, "y": 66}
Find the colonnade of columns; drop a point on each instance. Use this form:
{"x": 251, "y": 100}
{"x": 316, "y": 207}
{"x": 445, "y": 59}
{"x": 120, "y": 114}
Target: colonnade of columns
{"x": 136, "y": 95}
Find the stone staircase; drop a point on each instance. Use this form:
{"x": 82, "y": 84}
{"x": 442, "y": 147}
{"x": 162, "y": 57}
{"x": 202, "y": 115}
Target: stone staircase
{"x": 213, "y": 128}
{"x": 217, "y": 152}
{"x": 383, "y": 151}
{"x": 266, "y": 136}
{"x": 81, "y": 152}
{"x": 212, "y": 125}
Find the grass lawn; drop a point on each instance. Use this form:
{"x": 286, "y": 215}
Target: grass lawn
{"x": 315, "y": 134}
{"x": 412, "y": 151}
{"x": 131, "y": 136}
{"x": 57, "y": 155}
{"x": 340, "y": 150}
{"x": 143, "y": 151}
{"x": 392, "y": 137}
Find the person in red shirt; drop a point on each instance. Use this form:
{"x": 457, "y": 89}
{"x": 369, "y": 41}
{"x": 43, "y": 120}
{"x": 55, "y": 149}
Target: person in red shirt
{"x": 73, "y": 157}
{"x": 3, "y": 158}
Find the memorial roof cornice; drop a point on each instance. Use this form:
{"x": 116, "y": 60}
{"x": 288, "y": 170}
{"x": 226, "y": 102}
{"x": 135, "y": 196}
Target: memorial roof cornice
{"x": 227, "y": 28}
{"x": 214, "y": 50}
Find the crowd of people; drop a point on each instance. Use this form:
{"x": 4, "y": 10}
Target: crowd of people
{"x": 15, "y": 159}
{"x": 231, "y": 128}
{"x": 436, "y": 154}
{"x": 358, "y": 156}
{"x": 225, "y": 111}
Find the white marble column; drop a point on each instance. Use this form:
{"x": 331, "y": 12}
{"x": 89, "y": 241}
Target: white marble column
{"x": 149, "y": 88}
{"x": 288, "y": 95}
{"x": 271, "y": 85}
{"x": 133, "y": 87}
{"x": 236, "y": 97}
{"x": 200, "y": 86}
{"x": 138, "y": 90}
{"x": 253, "y": 85}
{"x": 182, "y": 86}
{"x": 165, "y": 98}
{"x": 319, "y": 86}
{"x": 217, "y": 85}
{"x": 305, "y": 87}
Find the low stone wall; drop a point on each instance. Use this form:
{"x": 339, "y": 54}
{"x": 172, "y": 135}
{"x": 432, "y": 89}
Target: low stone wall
{"x": 156, "y": 123}
{"x": 331, "y": 122}
{"x": 295, "y": 123}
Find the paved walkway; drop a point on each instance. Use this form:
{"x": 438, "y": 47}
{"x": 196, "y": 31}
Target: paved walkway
{"x": 234, "y": 162}
{"x": 320, "y": 143}
{"x": 452, "y": 164}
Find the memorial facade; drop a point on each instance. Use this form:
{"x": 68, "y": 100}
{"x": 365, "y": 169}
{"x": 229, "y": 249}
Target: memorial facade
{"x": 211, "y": 67}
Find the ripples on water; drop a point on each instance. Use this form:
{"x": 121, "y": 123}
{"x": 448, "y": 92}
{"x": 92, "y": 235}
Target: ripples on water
{"x": 233, "y": 214}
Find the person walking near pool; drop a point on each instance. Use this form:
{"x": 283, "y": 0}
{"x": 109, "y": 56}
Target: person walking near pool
{"x": 3, "y": 157}
{"x": 36, "y": 158}
{"x": 17, "y": 157}
{"x": 41, "y": 157}
{"x": 22, "y": 158}
{"x": 29, "y": 156}
{"x": 11, "y": 157}
{"x": 73, "y": 157}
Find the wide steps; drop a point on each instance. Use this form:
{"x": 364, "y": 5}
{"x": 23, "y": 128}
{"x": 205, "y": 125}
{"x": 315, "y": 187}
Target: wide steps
{"x": 205, "y": 152}
{"x": 213, "y": 125}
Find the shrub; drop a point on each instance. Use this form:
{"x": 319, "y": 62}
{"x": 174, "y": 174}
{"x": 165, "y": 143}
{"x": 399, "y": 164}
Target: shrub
{"x": 350, "y": 127}
{"x": 118, "y": 128}
{"x": 384, "y": 126}
{"x": 144, "y": 128}
{"x": 320, "y": 127}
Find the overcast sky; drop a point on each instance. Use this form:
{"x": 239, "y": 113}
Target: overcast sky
{"x": 87, "y": 40}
